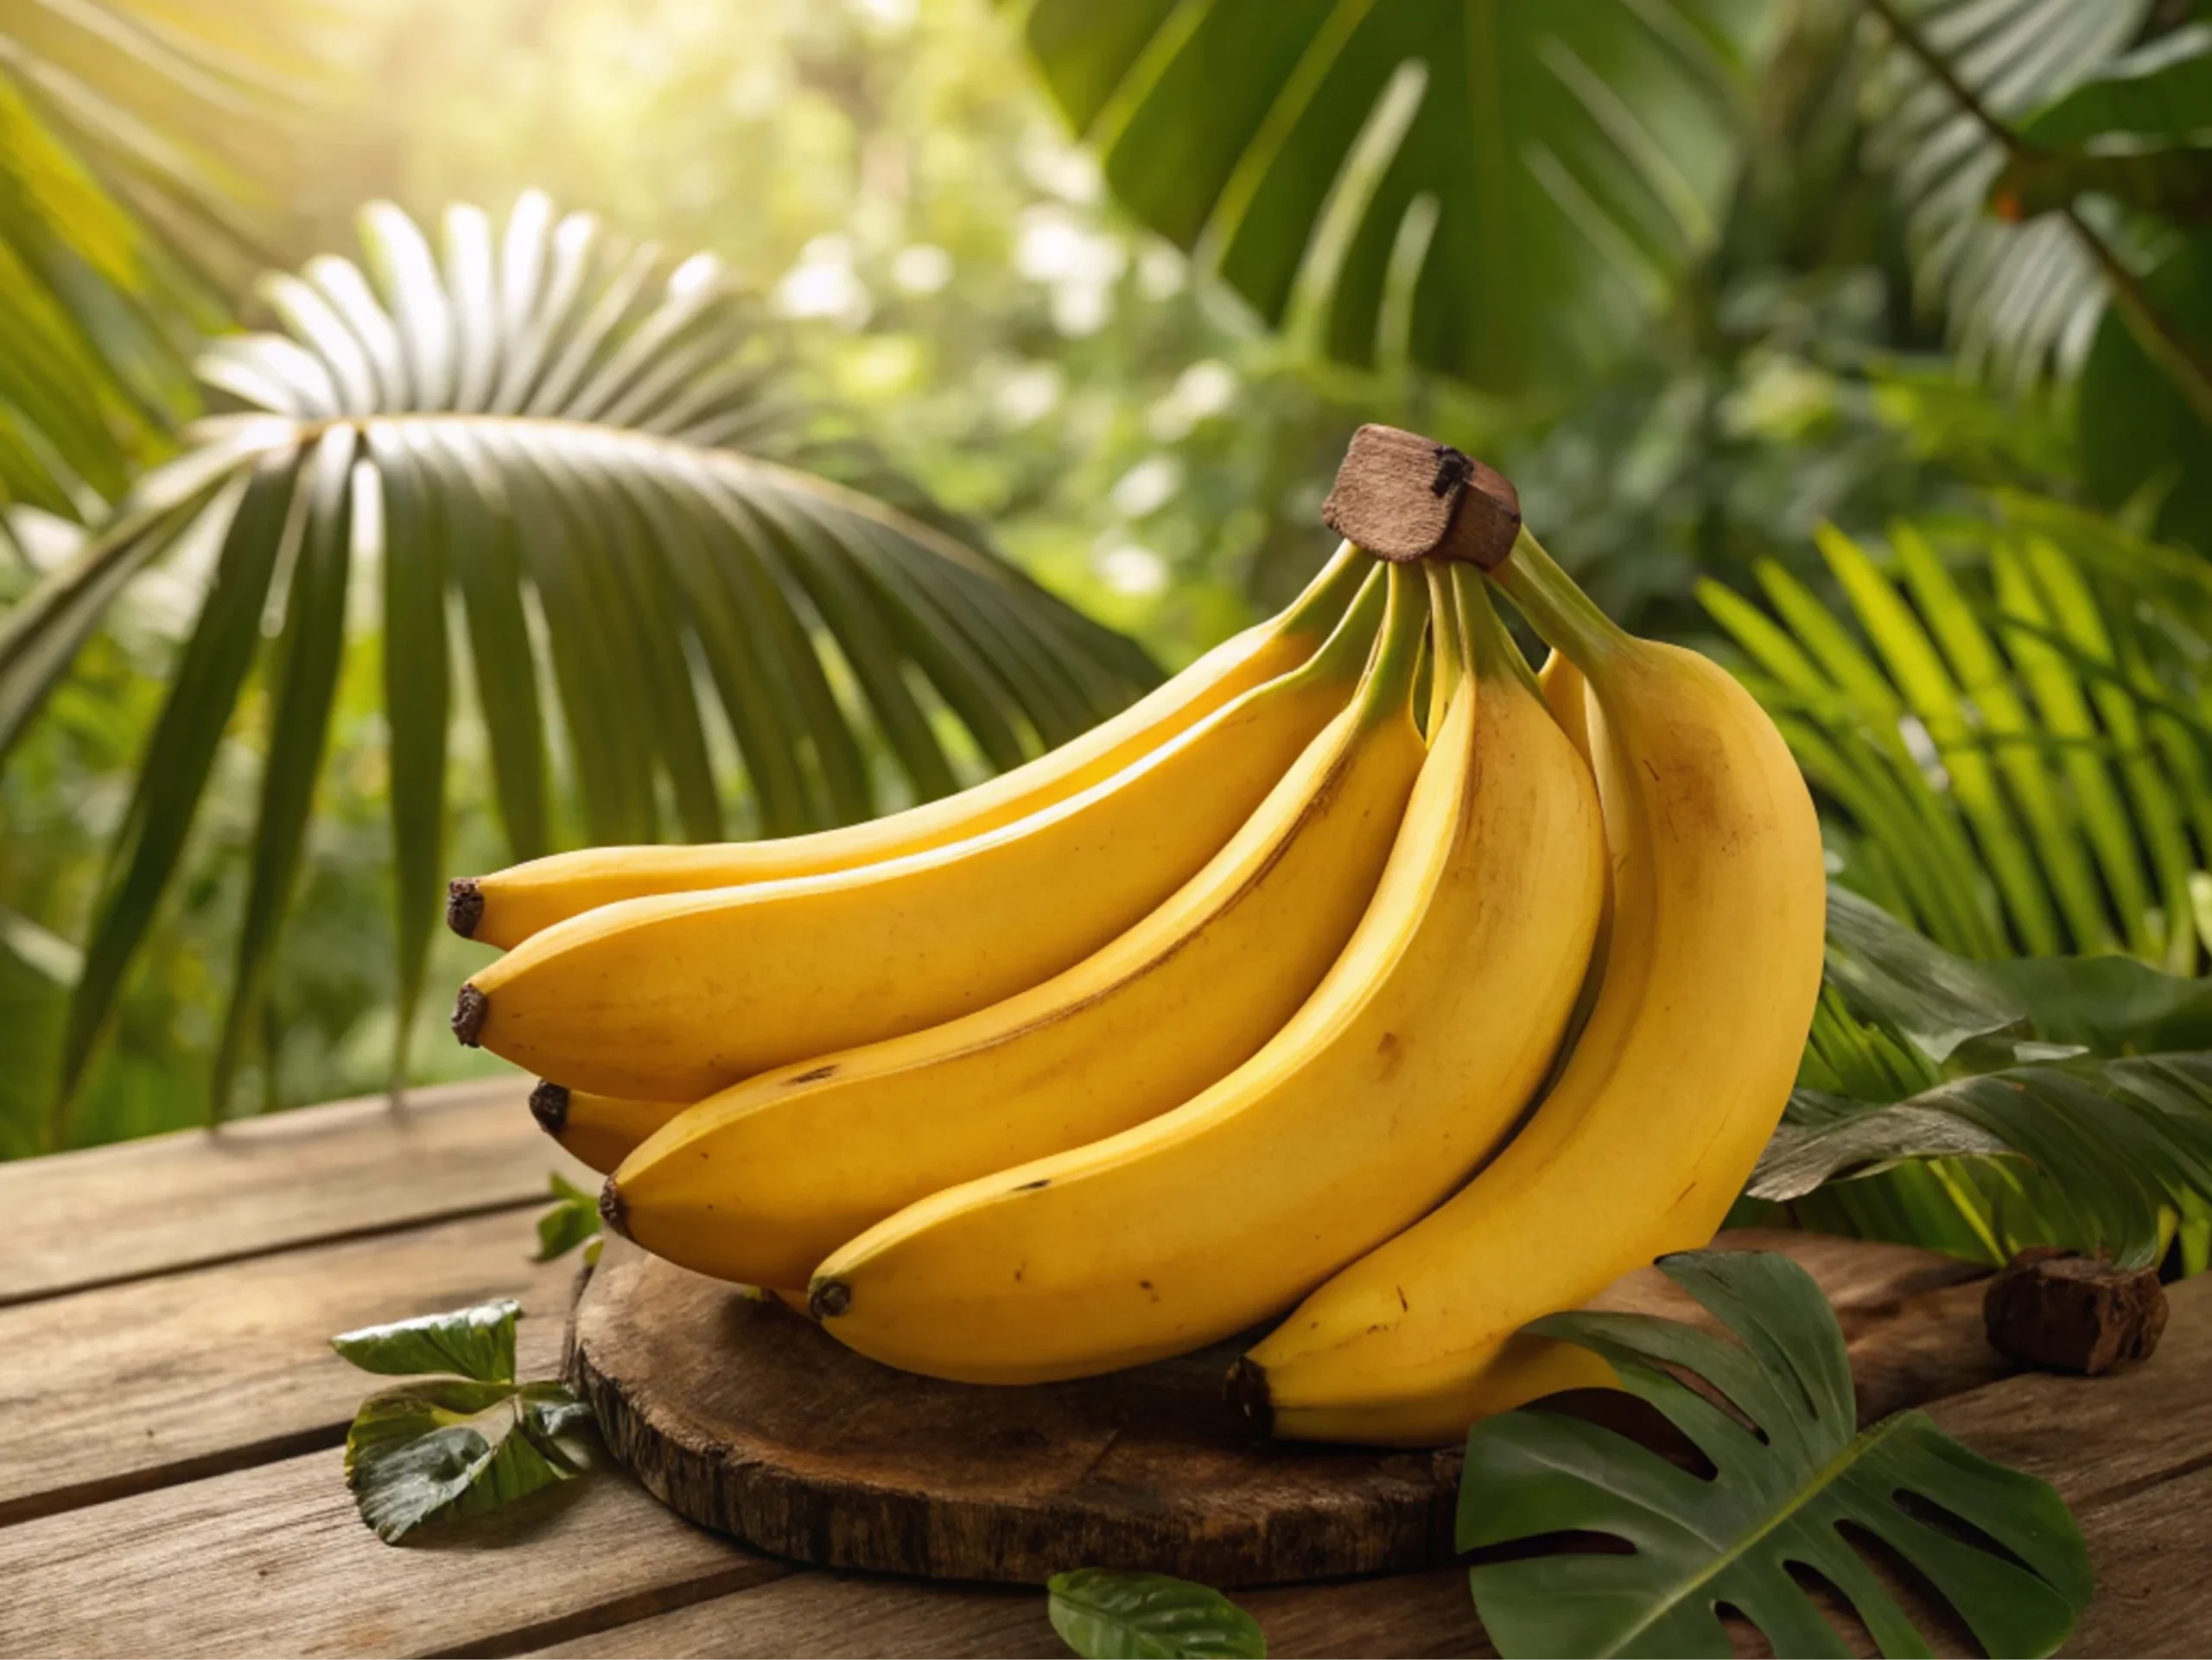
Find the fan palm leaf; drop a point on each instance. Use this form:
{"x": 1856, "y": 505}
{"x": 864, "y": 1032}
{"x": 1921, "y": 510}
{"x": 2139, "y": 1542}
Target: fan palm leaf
{"x": 522, "y": 444}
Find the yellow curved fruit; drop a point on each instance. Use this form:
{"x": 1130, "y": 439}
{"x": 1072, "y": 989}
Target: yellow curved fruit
{"x": 1674, "y": 1087}
{"x": 508, "y": 906}
{"x": 674, "y": 997}
{"x": 761, "y": 1182}
{"x": 1404, "y": 1070}
{"x": 602, "y": 1130}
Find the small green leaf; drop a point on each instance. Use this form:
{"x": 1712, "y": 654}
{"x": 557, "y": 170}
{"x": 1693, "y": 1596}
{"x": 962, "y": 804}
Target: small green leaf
{"x": 449, "y": 1448}
{"x": 1103, "y": 1614}
{"x": 476, "y": 1342}
{"x": 1783, "y": 1489}
{"x": 573, "y": 1219}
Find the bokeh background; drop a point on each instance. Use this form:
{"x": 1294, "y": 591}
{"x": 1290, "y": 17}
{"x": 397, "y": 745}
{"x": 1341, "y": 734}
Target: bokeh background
{"x": 1835, "y": 337}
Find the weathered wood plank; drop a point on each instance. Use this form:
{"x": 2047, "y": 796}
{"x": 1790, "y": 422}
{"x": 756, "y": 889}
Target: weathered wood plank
{"x": 182, "y": 1376}
{"x": 822, "y": 1613}
{"x": 275, "y": 1560}
{"x": 2153, "y": 1556}
{"x": 2102, "y": 1439}
{"x": 111, "y": 1214}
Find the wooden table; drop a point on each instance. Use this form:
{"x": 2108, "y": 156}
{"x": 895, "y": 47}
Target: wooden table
{"x": 171, "y": 1419}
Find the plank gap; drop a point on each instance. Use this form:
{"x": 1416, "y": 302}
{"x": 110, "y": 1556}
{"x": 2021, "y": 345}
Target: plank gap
{"x": 620, "y": 1611}
{"x": 124, "y": 1485}
{"x": 282, "y": 1248}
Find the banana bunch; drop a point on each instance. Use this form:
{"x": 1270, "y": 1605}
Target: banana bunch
{"x": 1359, "y": 980}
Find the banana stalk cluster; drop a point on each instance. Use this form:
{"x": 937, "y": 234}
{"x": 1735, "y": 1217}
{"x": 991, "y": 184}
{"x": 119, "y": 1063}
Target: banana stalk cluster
{"x": 1359, "y": 980}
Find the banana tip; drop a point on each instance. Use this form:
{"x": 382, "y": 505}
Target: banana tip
{"x": 1247, "y": 1389}
{"x": 827, "y": 1299}
{"x": 469, "y": 1010}
{"x": 612, "y": 1211}
{"x": 549, "y": 1104}
{"x": 464, "y": 906}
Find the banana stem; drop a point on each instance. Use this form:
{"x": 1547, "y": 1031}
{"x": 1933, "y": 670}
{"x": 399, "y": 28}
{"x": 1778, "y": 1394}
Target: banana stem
{"x": 1445, "y": 635}
{"x": 1344, "y": 655}
{"x": 1490, "y": 643}
{"x": 1556, "y": 607}
{"x": 1397, "y": 649}
{"x": 1327, "y": 595}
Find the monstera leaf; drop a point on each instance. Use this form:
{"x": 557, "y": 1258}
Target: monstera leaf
{"x": 1793, "y": 1474}
{"x": 537, "y": 431}
{"x": 1504, "y": 192}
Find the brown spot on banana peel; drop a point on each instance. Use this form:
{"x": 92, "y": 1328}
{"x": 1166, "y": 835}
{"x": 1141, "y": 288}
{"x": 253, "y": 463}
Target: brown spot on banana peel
{"x": 612, "y": 1211}
{"x": 464, "y": 906}
{"x": 470, "y": 1010}
{"x": 816, "y": 1076}
{"x": 827, "y": 1299}
{"x": 549, "y": 1104}
{"x": 1246, "y": 1388}
{"x": 1402, "y": 497}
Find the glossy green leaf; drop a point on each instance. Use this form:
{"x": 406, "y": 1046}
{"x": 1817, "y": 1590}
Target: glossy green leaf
{"x": 1934, "y": 1000}
{"x": 573, "y": 1219}
{"x": 476, "y": 1342}
{"x": 2162, "y": 90}
{"x": 1789, "y": 1473}
{"x": 1103, "y": 1613}
{"x": 445, "y": 1449}
{"x": 1354, "y": 172}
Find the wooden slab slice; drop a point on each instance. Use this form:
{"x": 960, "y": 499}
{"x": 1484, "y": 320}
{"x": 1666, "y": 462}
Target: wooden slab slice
{"x": 745, "y": 1417}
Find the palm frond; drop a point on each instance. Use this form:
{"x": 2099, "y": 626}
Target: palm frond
{"x": 2021, "y": 301}
{"x": 520, "y": 446}
{"x": 2019, "y": 755}
{"x": 128, "y": 134}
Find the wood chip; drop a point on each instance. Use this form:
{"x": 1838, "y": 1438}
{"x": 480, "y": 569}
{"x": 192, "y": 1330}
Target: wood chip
{"x": 2055, "y": 1308}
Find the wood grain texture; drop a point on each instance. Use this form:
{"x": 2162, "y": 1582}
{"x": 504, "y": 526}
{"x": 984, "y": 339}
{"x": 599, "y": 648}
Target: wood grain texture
{"x": 275, "y": 1560}
{"x": 860, "y": 1615}
{"x": 745, "y": 1418}
{"x": 168, "y": 1379}
{"x": 196, "y": 1198}
{"x": 2153, "y": 1556}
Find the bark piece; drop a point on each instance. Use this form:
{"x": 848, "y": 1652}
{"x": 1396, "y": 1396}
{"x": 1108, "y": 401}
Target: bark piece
{"x": 1403, "y": 497}
{"x": 2055, "y": 1308}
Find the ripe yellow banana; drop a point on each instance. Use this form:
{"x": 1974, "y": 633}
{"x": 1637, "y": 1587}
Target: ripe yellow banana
{"x": 1408, "y": 1064}
{"x": 508, "y": 906}
{"x": 1710, "y": 974}
{"x": 674, "y": 997}
{"x": 602, "y": 1130}
{"x": 761, "y": 1182}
